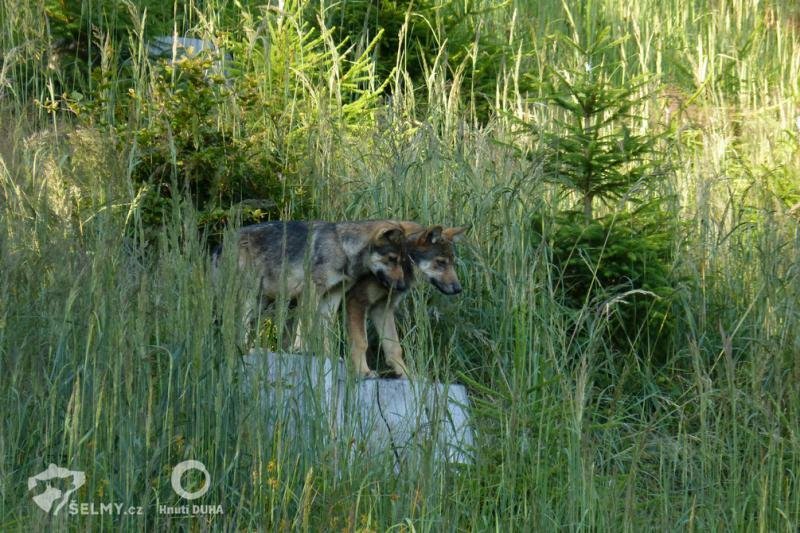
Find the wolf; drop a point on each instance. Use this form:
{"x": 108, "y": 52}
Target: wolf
{"x": 289, "y": 258}
{"x": 430, "y": 252}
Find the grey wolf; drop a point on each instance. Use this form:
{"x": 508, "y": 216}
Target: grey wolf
{"x": 431, "y": 253}
{"x": 290, "y": 258}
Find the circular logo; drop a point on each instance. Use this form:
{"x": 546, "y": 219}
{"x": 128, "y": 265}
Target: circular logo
{"x": 182, "y": 468}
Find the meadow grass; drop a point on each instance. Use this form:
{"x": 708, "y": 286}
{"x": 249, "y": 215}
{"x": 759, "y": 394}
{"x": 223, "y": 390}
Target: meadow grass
{"x": 120, "y": 356}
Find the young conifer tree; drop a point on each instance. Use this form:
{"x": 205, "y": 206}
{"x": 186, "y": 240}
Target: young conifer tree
{"x": 594, "y": 150}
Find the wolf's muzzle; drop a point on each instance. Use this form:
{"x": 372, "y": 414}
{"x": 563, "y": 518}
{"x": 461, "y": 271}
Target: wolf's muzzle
{"x": 395, "y": 285}
{"x": 447, "y": 288}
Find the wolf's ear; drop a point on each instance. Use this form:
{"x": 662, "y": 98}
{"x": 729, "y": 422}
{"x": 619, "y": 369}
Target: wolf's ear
{"x": 432, "y": 235}
{"x": 455, "y": 234}
{"x": 391, "y": 235}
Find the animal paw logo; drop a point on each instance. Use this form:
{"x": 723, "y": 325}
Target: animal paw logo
{"x": 59, "y": 484}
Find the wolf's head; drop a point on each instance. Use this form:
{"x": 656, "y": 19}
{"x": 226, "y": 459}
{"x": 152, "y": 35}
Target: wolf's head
{"x": 432, "y": 251}
{"x": 388, "y": 258}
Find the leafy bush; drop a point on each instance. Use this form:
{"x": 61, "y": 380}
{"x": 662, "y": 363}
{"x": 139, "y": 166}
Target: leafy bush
{"x": 189, "y": 144}
{"x": 238, "y": 133}
{"x": 76, "y": 41}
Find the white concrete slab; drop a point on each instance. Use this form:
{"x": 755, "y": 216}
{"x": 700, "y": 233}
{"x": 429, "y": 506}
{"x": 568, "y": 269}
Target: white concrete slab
{"x": 378, "y": 416}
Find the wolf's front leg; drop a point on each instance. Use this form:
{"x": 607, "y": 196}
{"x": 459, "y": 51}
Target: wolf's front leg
{"x": 382, "y": 316}
{"x": 357, "y": 332}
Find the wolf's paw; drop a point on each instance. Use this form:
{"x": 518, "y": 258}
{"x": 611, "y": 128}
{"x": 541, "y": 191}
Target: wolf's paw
{"x": 400, "y": 371}
{"x": 369, "y": 374}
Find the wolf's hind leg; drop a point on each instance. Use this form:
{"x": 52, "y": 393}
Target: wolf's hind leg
{"x": 297, "y": 344}
{"x": 300, "y": 326}
{"x": 250, "y": 320}
{"x": 290, "y": 325}
{"x": 322, "y": 308}
{"x": 326, "y": 312}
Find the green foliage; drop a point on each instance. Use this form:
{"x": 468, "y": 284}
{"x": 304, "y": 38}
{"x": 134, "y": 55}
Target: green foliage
{"x": 416, "y": 35}
{"x": 77, "y": 31}
{"x": 618, "y": 268}
{"x": 240, "y": 137}
{"x": 621, "y": 262}
{"x": 303, "y": 77}
{"x": 358, "y": 22}
{"x": 607, "y": 393}
{"x": 190, "y": 146}
{"x": 594, "y": 149}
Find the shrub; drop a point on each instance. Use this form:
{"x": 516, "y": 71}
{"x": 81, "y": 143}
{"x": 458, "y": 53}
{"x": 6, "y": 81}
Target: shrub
{"x": 616, "y": 266}
{"x": 618, "y": 270}
{"x": 189, "y": 144}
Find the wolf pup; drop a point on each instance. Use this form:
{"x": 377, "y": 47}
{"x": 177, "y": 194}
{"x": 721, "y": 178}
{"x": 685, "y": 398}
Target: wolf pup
{"x": 431, "y": 252}
{"x": 285, "y": 256}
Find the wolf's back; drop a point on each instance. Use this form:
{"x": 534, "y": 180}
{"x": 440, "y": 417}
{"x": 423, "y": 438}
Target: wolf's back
{"x": 276, "y": 239}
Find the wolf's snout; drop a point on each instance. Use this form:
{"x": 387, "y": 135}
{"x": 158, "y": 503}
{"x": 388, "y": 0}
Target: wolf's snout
{"x": 394, "y": 284}
{"x": 399, "y": 286}
{"x": 447, "y": 288}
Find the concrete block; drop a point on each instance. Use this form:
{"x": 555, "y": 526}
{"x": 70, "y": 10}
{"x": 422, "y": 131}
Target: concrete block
{"x": 400, "y": 417}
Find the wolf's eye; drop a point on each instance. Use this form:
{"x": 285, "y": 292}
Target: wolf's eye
{"x": 393, "y": 258}
{"x": 441, "y": 263}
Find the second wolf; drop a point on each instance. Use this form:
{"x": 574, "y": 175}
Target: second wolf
{"x": 431, "y": 252}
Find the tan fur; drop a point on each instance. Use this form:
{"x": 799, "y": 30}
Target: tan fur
{"x": 367, "y": 298}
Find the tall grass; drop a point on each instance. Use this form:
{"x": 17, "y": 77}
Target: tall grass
{"x": 119, "y": 356}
